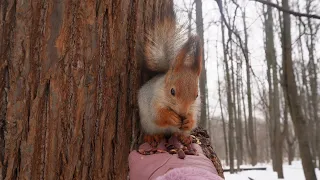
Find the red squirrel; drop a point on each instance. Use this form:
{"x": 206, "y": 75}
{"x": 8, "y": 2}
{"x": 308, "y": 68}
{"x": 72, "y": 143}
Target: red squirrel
{"x": 169, "y": 102}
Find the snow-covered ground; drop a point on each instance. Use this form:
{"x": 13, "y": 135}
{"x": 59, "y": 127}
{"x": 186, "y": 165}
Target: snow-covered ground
{"x": 291, "y": 172}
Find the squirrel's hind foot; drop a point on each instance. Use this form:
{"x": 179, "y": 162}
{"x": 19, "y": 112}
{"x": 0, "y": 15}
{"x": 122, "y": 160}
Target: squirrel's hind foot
{"x": 186, "y": 140}
{"x": 154, "y": 140}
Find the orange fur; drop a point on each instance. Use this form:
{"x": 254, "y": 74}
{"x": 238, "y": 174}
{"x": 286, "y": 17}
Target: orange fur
{"x": 185, "y": 83}
{"x": 167, "y": 118}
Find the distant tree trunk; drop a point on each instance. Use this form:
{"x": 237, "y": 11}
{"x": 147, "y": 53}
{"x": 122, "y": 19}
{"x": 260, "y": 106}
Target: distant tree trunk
{"x": 234, "y": 106}
{"x": 268, "y": 129}
{"x": 269, "y": 56}
{"x": 291, "y": 93}
{"x": 245, "y": 121}
{"x": 229, "y": 99}
{"x": 313, "y": 78}
{"x": 290, "y": 139}
{"x": 68, "y": 81}
{"x": 239, "y": 119}
{"x": 234, "y": 109}
{"x": 222, "y": 117}
{"x": 203, "y": 75}
{"x": 274, "y": 99}
{"x": 190, "y": 11}
{"x": 290, "y": 152}
{"x": 252, "y": 142}
{"x": 305, "y": 97}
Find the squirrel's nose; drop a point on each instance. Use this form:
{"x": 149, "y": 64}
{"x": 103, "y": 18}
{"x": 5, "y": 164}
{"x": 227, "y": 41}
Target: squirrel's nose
{"x": 184, "y": 111}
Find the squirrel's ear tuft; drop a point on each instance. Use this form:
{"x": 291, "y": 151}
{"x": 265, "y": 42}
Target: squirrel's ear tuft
{"x": 192, "y": 48}
{"x": 182, "y": 54}
{"x": 197, "y": 65}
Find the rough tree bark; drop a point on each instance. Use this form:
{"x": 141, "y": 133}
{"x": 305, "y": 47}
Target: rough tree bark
{"x": 291, "y": 93}
{"x": 68, "y": 81}
{"x": 203, "y": 75}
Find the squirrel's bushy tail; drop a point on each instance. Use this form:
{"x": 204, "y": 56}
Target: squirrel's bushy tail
{"x": 162, "y": 44}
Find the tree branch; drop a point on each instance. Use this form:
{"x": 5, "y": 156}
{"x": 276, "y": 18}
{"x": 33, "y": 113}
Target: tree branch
{"x": 288, "y": 10}
{"x": 243, "y": 50}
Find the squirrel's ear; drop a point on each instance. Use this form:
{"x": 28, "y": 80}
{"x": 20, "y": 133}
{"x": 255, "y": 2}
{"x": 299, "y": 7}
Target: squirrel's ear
{"x": 182, "y": 54}
{"x": 197, "y": 65}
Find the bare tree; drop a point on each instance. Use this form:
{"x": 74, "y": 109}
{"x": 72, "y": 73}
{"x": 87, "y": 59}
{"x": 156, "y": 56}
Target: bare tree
{"x": 287, "y": 10}
{"x": 313, "y": 78}
{"x": 275, "y": 131}
{"x": 233, "y": 100}
{"x": 253, "y": 145}
{"x": 269, "y": 55}
{"x": 291, "y": 94}
{"x": 229, "y": 99}
{"x": 305, "y": 95}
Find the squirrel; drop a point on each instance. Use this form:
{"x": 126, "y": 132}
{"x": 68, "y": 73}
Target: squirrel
{"x": 169, "y": 102}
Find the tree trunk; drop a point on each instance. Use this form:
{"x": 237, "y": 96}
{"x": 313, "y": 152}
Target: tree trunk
{"x": 234, "y": 109}
{"x": 239, "y": 119}
{"x": 229, "y": 99}
{"x": 291, "y": 93}
{"x": 289, "y": 137}
{"x": 269, "y": 144}
{"x": 269, "y": 56}
{"x": 68, "y": 82}
{"x": 305, "y": 96}
{"x": 190, "y": 11}
{"x": 291, "y": 150}
{"x": 246, "y": 134}
{"x": 223, "y": 120}
{"x": 274, "y": 99}
{"x": 203, "y": 75}
{"x": 290, "y": 154}
{"x": 313, "y": 78}
{"x": 252, "y": 142}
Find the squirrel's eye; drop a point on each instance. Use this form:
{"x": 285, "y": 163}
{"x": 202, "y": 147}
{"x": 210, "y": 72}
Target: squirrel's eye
{"x": 173, "y": 92}
{"x": 197, "y": 95}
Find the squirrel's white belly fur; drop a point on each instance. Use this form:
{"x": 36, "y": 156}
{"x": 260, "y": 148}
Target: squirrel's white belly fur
{"x": 149, "y": 93}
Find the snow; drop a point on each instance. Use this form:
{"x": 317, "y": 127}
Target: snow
{"x": 292, "y": 172}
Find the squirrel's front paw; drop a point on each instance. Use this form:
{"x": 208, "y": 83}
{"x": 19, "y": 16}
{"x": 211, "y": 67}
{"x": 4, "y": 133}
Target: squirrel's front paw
{"x": 174, "y": 119}
{"x": 187, "y": 124}
{"x": 167, "y": 117}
